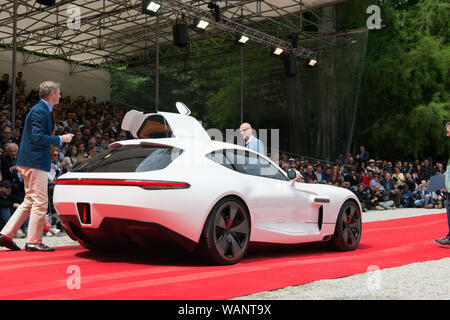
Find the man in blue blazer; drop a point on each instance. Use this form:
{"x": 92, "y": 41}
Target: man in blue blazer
{"x": 251, "y": 141}
{"x": 33, "y": 164}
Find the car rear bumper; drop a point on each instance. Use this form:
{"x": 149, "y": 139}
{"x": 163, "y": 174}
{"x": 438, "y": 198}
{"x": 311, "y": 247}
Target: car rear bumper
{"x": 118, "y": 233}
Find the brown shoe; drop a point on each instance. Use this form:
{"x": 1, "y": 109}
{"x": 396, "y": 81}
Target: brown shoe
{"x": 8, "y": 243}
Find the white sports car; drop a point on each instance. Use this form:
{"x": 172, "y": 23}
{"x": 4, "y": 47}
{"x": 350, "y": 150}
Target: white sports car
{"x": 173, "y": 183}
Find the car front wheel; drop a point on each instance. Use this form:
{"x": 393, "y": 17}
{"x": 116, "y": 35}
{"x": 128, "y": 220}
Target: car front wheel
{"x": 347, "y": 233}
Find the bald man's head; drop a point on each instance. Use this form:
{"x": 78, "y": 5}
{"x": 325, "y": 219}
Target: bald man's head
{"x": 245, "y": 130}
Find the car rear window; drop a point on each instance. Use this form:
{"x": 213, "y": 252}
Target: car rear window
{"x": 130, "y": 158}
{"x": 155, "y": 126}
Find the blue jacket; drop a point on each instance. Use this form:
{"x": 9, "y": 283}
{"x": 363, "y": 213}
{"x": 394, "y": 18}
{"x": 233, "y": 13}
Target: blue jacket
{"x": 34, "y": 151}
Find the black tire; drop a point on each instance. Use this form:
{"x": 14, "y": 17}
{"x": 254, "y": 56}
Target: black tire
{"x": 347, "y": 233}
{"x": 226, "y": 233}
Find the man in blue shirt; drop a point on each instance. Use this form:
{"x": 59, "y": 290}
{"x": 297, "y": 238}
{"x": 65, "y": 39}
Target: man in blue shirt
{"x": 251, "y": 141}
{"x": 33, "y": 164}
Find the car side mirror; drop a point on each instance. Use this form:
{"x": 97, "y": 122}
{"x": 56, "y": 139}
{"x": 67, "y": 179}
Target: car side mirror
{"x": 292, "y": 174}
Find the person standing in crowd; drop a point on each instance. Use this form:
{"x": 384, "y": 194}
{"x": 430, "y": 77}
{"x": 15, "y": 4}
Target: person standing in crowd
{"x": 363, "y": 155}
{"x": 251, "y": 141}
{"x": 446, "y": 240}
{"x": 33, "y": 164}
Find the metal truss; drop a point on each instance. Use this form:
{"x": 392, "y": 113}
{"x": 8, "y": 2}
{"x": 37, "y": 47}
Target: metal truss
{"x": 116, "y": 32}
{"x": 236, "y": 28}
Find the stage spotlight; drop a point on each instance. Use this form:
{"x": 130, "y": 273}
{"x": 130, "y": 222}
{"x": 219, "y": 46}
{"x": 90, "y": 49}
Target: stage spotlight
{"x": 312, "y": 62}
{"x": 277, "y": 51}
{"x": 202, "y": 24}
{"x": 47, "y": 3}
{"x": 150, "y": 7}
{"x": 241, "y": 40}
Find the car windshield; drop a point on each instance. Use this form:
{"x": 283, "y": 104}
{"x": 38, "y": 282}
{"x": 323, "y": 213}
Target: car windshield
{"x": 130, "y": 158}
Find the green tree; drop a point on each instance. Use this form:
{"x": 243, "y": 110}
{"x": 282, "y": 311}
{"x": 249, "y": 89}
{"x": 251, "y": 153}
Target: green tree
{"x": 405, "y": 83}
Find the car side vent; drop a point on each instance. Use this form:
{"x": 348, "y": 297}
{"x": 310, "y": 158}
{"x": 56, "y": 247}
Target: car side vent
{"x": 320, "y": 220}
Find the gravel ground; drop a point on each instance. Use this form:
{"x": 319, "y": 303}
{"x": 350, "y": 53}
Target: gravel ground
{"x": 417, "y": 281}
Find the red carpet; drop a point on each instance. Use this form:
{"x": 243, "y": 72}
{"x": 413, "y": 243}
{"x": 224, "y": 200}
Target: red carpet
{"x": 386, "y": 244}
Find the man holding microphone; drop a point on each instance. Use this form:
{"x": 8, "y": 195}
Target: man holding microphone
{"x": 33, "y": 164}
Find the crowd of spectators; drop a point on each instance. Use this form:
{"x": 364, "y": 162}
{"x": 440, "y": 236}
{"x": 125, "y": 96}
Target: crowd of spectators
{"x": 378, "y": 184}
{"x": 95, "y": 125}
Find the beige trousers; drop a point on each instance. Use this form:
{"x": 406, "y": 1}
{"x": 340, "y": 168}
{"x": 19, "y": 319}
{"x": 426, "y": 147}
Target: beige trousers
{"x": 34, "y": 206}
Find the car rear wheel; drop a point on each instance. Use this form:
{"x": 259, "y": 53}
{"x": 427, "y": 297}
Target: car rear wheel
{"x": 348, "y": 228}
{"x": 226, "y": 233}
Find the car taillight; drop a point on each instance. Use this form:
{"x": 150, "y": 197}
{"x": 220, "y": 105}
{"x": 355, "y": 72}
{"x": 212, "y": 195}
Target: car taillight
{"x": 84, "y": 212}
{"x": 145, "y": 184}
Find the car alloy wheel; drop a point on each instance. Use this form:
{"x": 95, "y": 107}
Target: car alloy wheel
{"x": 348, "y": 228}
{"x": 228, "y": 232}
